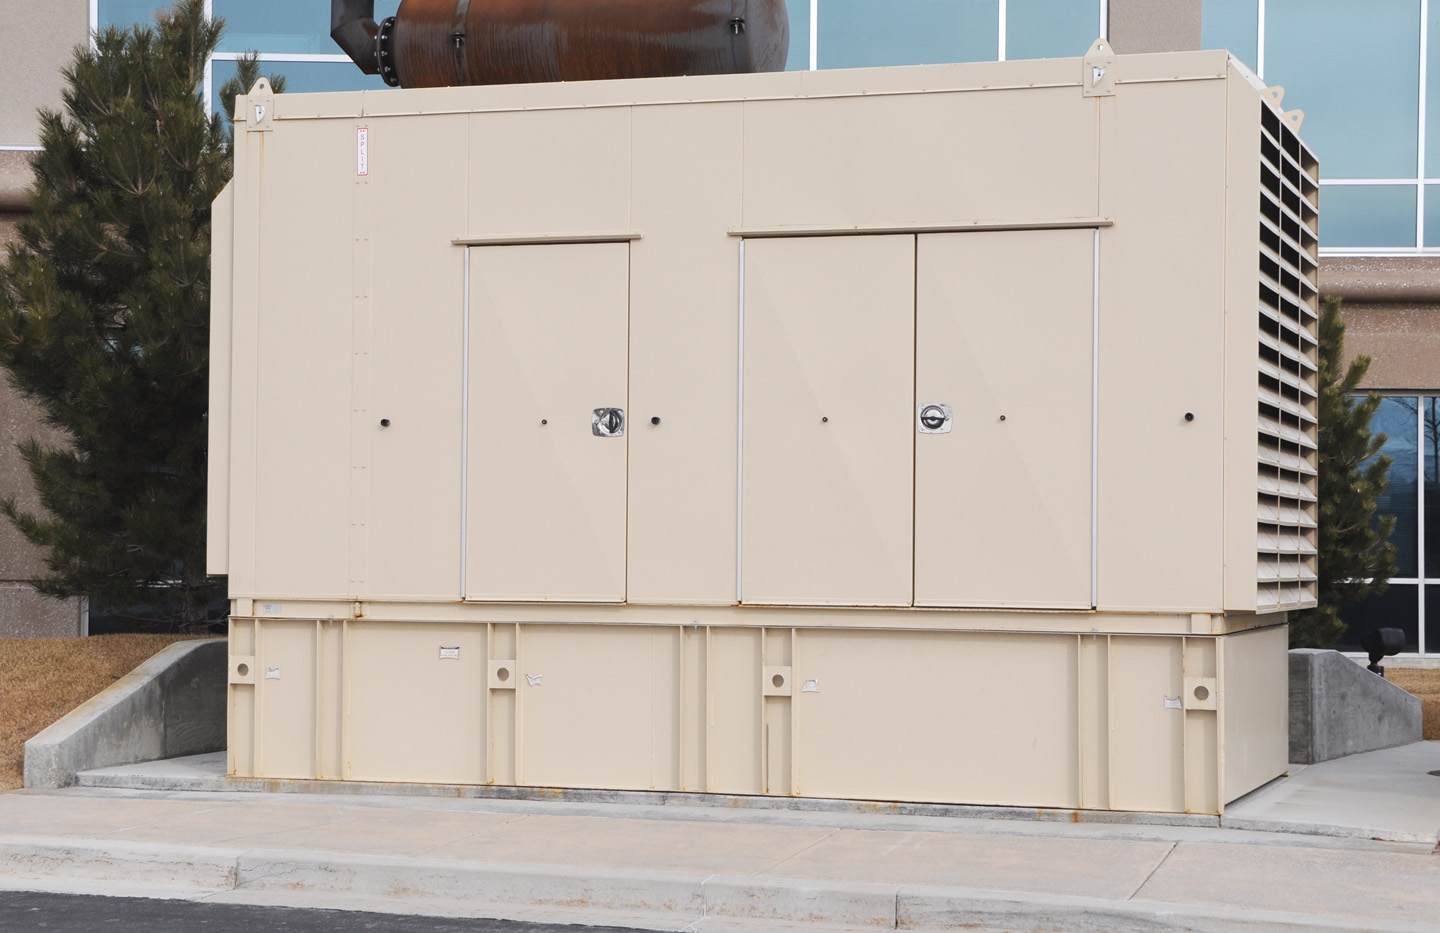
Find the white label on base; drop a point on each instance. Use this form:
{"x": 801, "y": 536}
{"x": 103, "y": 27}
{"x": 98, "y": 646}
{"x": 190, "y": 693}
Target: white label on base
{"x": 272, "y": 673}
{"x": 1172, "y": 703}
{"x": 449, "y": 654}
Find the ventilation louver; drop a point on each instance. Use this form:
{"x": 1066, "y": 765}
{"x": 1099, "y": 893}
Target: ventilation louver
{"x": 1289, "y": 344}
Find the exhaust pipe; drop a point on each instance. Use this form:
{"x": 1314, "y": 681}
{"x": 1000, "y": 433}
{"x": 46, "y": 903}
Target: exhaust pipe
{"x": 440, "y": 43}
{"x": 353, "y": 27}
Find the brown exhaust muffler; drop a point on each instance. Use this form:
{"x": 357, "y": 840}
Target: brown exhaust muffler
{"x": 438, "y": 43}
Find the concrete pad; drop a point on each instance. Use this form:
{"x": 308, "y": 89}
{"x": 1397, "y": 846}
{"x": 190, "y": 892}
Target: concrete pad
{"x": 206, "y": 774}
{"x": 1344, "y": 885}
{"x": 1387, "y": 794}
{"x": 1097, "y": 867}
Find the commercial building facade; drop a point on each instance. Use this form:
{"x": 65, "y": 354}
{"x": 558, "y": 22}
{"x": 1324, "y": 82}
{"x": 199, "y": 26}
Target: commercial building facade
{"x": 1373, "y": 138}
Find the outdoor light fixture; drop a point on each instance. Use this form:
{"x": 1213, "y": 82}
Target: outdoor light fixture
{"x": 1382, "y": 643}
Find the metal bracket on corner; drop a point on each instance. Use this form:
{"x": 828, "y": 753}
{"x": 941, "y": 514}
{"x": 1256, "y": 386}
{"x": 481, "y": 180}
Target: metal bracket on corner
{"x": 1293, "y": 119}
{"x": 1099, "y": 77}
{"x": 259, "y": 114}
{"x": 1273, "y": 95}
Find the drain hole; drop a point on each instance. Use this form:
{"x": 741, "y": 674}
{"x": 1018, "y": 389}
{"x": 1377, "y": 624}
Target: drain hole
{"x": 243, "y": 670}
{"x": 1202, "y": 693}
{"x": 778, "y": 680}
{"x": 502, "y": 674}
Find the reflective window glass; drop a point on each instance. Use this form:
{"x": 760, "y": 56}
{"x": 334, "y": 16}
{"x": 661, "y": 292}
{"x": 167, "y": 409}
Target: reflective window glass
{"x": 1233, "y": 25}
{"x": 301, "y": 77}
{"x": 295, "y": 27}
{"x": 1432, "y": 103}
{"x": 1432, "y": 214}
{"x": 799, "y": 11}
{"x": 1430, "y": 449}
{"x": 1316, "y": 48}
{"x": 1397, "y": 607}
{"x": 1396, "y": 419}
{"x": 1432, "y": 618}
{"x": 1050, "y": 28}
{"x": 862, "y": 33}
{"x": 125, "y": 13}
{"x": 1367, "y": 215}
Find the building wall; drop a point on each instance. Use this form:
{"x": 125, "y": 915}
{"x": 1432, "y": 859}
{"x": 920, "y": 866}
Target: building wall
{"x": 36, "y": 43}
{"x": 37, "y": 40}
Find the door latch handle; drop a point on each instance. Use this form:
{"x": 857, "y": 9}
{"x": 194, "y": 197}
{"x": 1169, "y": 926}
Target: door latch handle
{"x": 608, "y": 422}
{"x": 934, "y": 418}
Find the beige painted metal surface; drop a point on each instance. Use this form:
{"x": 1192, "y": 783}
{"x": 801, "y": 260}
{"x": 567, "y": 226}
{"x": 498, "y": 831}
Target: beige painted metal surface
{"x": 546, "y": 494}
{"x": 1025, "y": 441}
{"x": 828, "y": 384}
{"x": 783, "y": 576}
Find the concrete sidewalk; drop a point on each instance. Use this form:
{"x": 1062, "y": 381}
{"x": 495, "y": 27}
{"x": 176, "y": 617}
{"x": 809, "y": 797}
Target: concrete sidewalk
{"x": 712, "y": 868}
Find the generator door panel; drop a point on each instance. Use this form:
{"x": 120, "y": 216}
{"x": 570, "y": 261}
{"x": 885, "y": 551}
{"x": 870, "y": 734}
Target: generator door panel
{"x": 546, "y": 422}
{"x": 1003, "y": 419}
{"x": 827, "y": 394}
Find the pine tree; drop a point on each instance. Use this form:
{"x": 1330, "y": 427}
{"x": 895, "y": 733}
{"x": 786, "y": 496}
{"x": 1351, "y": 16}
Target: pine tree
{"x": 104, "y": 321}
{"x": 1355, "y": 556}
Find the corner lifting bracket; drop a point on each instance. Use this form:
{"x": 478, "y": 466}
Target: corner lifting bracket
{"x": 1098, "y": 79}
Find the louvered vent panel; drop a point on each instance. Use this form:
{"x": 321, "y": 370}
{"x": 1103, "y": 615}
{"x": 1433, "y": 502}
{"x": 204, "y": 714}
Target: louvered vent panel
{"x": 1289, "y": 332}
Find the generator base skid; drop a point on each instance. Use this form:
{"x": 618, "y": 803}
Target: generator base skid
{"x": 1030, "y": 715}
{"x": 943, "y": 433}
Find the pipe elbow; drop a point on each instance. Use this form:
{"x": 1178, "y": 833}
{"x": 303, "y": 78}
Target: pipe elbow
{"x": 353, "y": 27}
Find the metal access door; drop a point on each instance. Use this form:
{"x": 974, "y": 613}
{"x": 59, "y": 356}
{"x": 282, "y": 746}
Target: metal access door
{"x": 827, "y": 389}
{"x": 546, "y": 422}
{"x": 1004, "y": 384}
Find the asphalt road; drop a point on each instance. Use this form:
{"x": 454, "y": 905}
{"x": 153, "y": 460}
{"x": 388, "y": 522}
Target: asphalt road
{"x": 21, "y": 912}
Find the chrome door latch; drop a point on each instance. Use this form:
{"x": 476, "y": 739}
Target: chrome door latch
{"x": 934, "y": 418}
{"x": 608, "y": 422}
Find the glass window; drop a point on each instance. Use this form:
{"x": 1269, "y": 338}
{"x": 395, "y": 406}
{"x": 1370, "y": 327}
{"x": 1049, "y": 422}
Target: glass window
{"x": 1432, "y": 214}
{"x": 1430, "y": 439}
{"x": 301, "y": 77}
{"x": 1432, "y": 619}
{"x": 1367, "y": 215}
{"x": 1396, "y": 419}
{"x": 1316, "y": 48}
{"x": 799, "y": 11}
{"x": 296, "y": 27}
{"x": 1432, "y": 103}
{"x": 125, "y": 13}
{"x": 1233, "y": 25}
{"x": 1397, "y": 607}
{"x": 861, "y": 33}
{"x": 1050, "y": 28}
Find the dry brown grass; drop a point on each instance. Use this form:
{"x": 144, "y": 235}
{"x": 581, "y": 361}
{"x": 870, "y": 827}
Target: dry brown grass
{"x": 42, "y": 679}
{"x": 1426, "y": 686}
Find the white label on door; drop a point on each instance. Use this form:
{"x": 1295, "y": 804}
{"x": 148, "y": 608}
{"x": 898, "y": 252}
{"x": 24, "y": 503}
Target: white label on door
{"x": 272, "y": 673}
{"x": 1172, "y": 703}
{"x": 270, "y": 609}
{"x": 449, "y": 654}
{"x": 362, "y": 150}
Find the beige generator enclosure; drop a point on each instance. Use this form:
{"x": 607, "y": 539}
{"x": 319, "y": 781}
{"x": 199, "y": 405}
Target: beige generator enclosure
{"x": 916, "y": 434}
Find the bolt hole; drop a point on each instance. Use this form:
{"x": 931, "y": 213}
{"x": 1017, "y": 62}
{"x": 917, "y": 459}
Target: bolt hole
{"x": 823, "y": 420}
{"x": 502, "y": 674}
{"x": 243, "y": 670}
{"x": 778, "y": 680}
{"x": 1189, "y": 416}
{"x": 655, "y": 420}
{"x": 384, "y": 422}
{"x": 544, "y": 421}
{"x": 1202, "y": 693}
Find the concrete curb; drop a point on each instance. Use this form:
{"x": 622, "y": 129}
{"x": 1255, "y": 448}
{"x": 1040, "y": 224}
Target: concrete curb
{"x": 1336, "y": 830}
{"x": 173, "y": 704}
{"x": 715, "y": 902}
